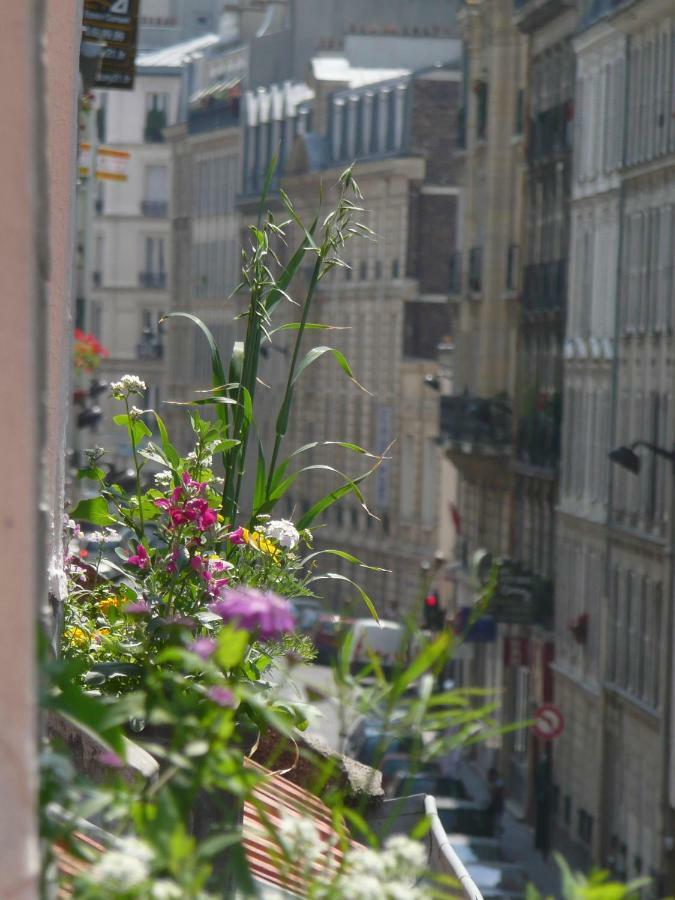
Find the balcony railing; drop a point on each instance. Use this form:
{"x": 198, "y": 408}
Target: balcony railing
{"x": 455, "y": 273}
{"x": 538, "y": 442}
{"x": 550, "y": 133}
{"x": 545, "y": 286}
{"x": 214, "y": 116}
{"x": 155, "y": 209}
{"x": 476, "y": 269}
{"x": 155, "y": 280}
{"x": 477, "y": 421}
{"x": 150, "y": 346}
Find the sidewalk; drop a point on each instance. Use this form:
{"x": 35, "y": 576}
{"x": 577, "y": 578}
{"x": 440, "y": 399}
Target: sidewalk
{"x": 517, "y": 838}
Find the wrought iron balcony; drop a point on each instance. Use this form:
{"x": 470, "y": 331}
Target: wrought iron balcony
{"x": 150, "y": 346}
{"x": 521, "y": 597}
{"x": 550, "y": 133}
{"x": 538, "y": 439}
{"x": 545, "y": 286}
{"x": 155, "y": 280}
{"x": 155, "y": 209}
{"x": 476, "y": 269}
{"x": 477, "y": 423}
{"x": 213, "y": 116}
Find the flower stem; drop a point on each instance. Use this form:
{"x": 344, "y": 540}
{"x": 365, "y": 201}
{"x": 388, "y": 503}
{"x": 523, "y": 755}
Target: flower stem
{"x": 132, "y": 438}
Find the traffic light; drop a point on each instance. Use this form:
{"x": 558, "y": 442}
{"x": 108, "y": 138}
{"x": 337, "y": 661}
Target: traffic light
{"x": 433, "y": 614}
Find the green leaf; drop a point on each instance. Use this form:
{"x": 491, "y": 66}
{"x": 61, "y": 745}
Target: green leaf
{"x": 327, "y": 501}
{"x": 311, "y": 326}
{"x": 343, "y": 555}
{"x": 231, "y": 647}
{"x": 422, "y": 664}
{"x": 94, "y": 510}
{"x": 217, "y": 370}
{"x": 260, "y": 480}
{"x": 316, "y": 352}
{"x": 136, "y": 426}
{"x": 167, "y": 446}
{"x": 92, "y": 473}
{"x": 285, "y": 278}
{"x": 335, "y": 576}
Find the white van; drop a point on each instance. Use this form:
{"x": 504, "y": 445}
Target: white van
{"x": 387, "y": 640}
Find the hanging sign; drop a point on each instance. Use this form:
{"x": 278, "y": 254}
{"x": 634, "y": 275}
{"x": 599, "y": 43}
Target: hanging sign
{"x": 114, "y": 24}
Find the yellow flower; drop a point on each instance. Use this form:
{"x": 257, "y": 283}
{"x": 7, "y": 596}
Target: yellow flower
{"x": 108, "y": 603}
{"x": 76, "y": 636}
{"x": 257, "y": 540}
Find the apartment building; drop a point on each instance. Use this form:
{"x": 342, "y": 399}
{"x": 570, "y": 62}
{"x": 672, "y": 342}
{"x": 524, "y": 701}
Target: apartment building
{"x": 614, "y": 592}
{"x": 477, "y": 421}
{"x": 391, "y": 301}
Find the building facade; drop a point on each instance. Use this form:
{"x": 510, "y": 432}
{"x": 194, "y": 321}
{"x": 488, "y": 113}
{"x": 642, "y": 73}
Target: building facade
{"x": 614, "y": 590}
{"x": 477, "y": 421}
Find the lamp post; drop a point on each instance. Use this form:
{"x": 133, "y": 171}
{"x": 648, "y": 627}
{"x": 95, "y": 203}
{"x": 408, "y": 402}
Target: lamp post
{"x": 628, "y": 459}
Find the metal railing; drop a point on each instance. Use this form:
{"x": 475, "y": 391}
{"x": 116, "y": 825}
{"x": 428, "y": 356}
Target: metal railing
{"x": 550, "y": 133}
{"x": 155, "y": 209}
{"x": 213, "y": 117}
{"x": 442, "y": 856}
{"x": 545, "y": 285}
{"x": 152, "y": 279}
{"x": 476, "y": 420}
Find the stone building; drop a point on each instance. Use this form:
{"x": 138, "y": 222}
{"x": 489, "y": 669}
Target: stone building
{"x": 476, "y": 422}
{"x": 392, "y": 301}
{"x": 545, "y": 114}
{"x": 614, "y": 603}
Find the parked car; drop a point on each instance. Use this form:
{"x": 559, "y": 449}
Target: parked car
{"x": 473, "y": 850}
{"x": 306, "y": 612}
{"x": 376, "y": 744}
{"x": 386, "y": 640}
{"x": 499, "y": 880}
{"x": 326, "y": 636}
{"x": 427, "y": 782}
{"x": 465, "y": 817}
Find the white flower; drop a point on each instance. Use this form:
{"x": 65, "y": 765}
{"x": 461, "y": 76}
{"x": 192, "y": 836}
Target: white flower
{"x": 300, "y": 839}
{"x": 136, "y": 413}
{"x": 283, "y": 532}
{"x": 131, "y": 846}
{"x": 404, "y": 856}
{"x": 356, "y": 886}
{"x": 120, "y": 871}
{"x": 127, "y": 385}
{"x": 367, "y": 863}
{"x": 166, "y": 890}
{"x": 205, "y": 462}
{"x": 164, "y": 479}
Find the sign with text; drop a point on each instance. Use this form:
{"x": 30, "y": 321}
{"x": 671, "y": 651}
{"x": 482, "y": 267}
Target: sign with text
{"x": 111, "y": 164}
{"x": 113, "y": 23}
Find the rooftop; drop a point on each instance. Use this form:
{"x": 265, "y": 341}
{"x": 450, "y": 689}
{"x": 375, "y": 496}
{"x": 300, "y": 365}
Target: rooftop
{"x": 338, "y": 68}
{"x": 176, "y": 55}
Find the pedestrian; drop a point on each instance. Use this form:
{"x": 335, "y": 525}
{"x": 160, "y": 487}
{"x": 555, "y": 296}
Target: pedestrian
{"x": 496, "y": 802}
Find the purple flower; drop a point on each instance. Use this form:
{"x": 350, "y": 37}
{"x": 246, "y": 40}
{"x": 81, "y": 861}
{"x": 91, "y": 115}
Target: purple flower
{"x": 221, "y": 696}
{"x": 255, "y": 611}
{"x": 110, "y": 759}
{"x": 203, "y": 646}
{"x": 138, "y": 608}
{"x": 140, "y": 559}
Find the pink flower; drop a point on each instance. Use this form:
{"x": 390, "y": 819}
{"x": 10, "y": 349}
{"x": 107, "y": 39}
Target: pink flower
{"x": 138, "y": 608}
{"x": 236, "y": 536}
{"x": 140, "y": 559}
{"x": 203, "y": 646}
{"x": 263, "y": 613}
{"x": 221, "y": 696}
{"x": 172, "y": 565}
{"x": 110, "y": 759}
{"x": 217, "y": 587}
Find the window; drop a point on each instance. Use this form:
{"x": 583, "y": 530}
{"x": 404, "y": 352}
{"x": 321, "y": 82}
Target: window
{"x": 154, "y": 273}
{"x": 156, "y": 191}
{"x": 408, "y": 477}
{"x": 156, "y": 116}
{"x": 430, "y": 479}
{"x": 481, "y": 91}
{"x": 395, "y": 268}
{"x": 363, "y": 270}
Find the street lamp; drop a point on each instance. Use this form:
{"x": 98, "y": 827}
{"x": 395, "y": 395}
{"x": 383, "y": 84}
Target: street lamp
{"x": 627, "y": 458}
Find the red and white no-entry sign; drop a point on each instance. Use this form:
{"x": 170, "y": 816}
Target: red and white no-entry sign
{"x": 548, "y": 722}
